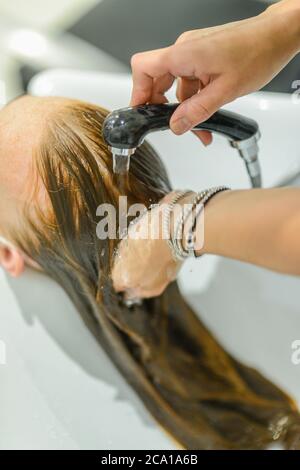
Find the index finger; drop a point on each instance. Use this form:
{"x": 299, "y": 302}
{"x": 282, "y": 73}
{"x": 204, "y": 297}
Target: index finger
{"x": 146, "y": 66}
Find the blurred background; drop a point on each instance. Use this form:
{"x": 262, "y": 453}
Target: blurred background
{"x": 103, "y": 34}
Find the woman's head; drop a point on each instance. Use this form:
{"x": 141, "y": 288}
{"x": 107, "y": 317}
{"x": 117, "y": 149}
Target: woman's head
{"x": 55, "y": 170}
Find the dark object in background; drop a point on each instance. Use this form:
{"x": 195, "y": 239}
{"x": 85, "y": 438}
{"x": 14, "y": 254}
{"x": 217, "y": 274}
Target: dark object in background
{"x": 27, "y": 72}
{"x": 123, "y": 27}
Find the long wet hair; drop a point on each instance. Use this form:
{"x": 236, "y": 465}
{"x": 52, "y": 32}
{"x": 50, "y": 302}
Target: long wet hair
{"x": 201, "y": 395}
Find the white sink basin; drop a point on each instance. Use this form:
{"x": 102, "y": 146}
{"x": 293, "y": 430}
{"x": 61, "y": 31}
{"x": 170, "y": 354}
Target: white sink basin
{"x": 58, "y": 389}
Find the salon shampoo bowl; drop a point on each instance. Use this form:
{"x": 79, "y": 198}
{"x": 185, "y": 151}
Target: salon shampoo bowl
{"x": 58, "y": 389}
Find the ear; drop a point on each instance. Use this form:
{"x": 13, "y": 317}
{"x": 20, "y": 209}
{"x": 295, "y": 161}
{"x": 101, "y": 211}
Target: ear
{"x": 12, "y": 260}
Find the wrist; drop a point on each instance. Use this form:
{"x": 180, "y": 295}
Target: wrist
{"x": 215, "y": 221}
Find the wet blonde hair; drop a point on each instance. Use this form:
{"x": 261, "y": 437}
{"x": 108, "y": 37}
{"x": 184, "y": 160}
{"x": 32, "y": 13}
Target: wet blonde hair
{"x": 196, "y": 390}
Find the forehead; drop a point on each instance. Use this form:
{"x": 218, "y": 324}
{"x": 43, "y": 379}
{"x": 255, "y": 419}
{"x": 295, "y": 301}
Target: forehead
{"x": 22, "y": 129}
{"x": 21, "y": 124}
{"x": 16, "y": 140}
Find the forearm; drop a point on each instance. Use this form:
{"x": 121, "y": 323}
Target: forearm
{"x": 284, "y": 6}
{"x": 285, "y": 18}
{"x": 259, "y": 226}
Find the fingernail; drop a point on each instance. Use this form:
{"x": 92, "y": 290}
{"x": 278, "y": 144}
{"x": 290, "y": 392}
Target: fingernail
{"x": 181, "y": 125}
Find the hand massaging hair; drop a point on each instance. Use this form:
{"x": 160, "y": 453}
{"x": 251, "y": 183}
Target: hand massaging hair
{"x": 198, "y": 393}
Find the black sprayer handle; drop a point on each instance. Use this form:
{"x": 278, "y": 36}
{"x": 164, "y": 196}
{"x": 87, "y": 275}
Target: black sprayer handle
{"x": 126, "y": 128}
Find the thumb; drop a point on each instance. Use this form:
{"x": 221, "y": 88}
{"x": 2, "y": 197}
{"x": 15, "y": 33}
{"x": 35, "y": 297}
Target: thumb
{"x": 198, "y": 108}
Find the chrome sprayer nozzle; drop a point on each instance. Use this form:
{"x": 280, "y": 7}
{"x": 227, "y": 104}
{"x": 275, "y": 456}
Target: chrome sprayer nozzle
{"x": 121, "y": 159}
{"x": 248, "y": 150}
